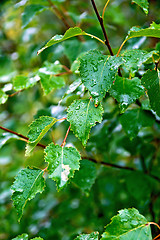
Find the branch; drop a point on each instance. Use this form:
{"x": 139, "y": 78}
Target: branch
{"x": 100, "y": 19}
{"x": 20, "y": 135}
{"x": 59, "y": 14}
{"x": 119, "y": 167}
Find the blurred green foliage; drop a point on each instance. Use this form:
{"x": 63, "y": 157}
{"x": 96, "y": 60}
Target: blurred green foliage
{"x": 77, "y": 208}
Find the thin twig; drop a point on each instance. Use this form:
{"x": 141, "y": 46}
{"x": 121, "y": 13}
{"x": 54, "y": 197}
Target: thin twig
{"x": 15, "y": 93}
{"x": 64, "y": 141}
{"x": 20, "y": 135}
{"x": 105, "y": 8}
{"x": 59, "y": 14}
{"x": 100, "y": 19}
{"x": 109, "y": 164}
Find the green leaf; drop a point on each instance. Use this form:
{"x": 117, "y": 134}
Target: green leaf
{"x": 27, "y": 184}
{"x": 5, "y": 137}
{"x": 91, "y": 236}
{"x": 71, "y": 32}
{"x": 63, "y": 161}
{"x": 30, "y": 11}
{"x": 133, "y": 59}
{"x": 133, "y": 120}
{"x": 98, "y": 72}
{"x": 126, "y": 91}
{"x": 3, "y": 97}
{"x": 38, "y": 129}
{"x": 143, "y": 4}
{"x": 151, "y": 82}
{"x": 129, "y": 224}
{"x": 23, "y": 82}
{"x": 136, "y": 187}
{"x": 152, "y": 31}
{"x": 48, "y": 79}
{"x": 85, "y": 177}
{"x": 82, "y": 115}
{"x": 24, "y": 236}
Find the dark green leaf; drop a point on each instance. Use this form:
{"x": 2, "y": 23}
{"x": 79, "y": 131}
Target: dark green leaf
{"x": 126, "y": 91}
{"x": 128, "y": 225}
{"x": 98, "y": 72}
{"x": 38, "y": 129}
{"x": 28, "y": 183}
{"x": 133, "y": 59}
{"x": 143, "y": 4}
{"x": 91, "y": 236}
{"x": 63, "y": 161}
{"x": 85, "y": 177}
{"x": 30, "y": 11}
{"x": 82, "y": 114}
{"x": 133, "y": 120}
{"x": 151, "y": 82}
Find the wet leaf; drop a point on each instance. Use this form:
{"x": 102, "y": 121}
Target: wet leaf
{"x": 129, "y": 224}
{"x": 85, "y": 177}
{"x": 98, "y": 73}
{"x": 126, "y": 91}
{"x": 133, "y": 120}
{"x": 151, "y": 82}
{"x": 91, "y": 236}
{"x": 133, "y": 59}
{"x": 83, "y": 115}
{"x": 143, "y": 4}
{"x": 63, "y": 161}
{"x": 38, "y": 129}
{"x": 27, "y": 184}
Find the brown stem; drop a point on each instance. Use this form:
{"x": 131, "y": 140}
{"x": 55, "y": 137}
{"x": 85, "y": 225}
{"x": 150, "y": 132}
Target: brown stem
{"x": 59, "y": 14}
{"x": 64, "y": 141}
{"x": 15, "y": 93}
{"x": 100, "y": 19}
{"x": 20, "y": 135}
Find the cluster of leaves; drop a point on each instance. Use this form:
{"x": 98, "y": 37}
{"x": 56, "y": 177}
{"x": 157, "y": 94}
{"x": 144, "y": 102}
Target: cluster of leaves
{"x": 120, "y": 93}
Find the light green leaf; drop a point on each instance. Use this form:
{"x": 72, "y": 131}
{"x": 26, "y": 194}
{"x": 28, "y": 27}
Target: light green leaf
{"x": 126, "y": 91}
{"x": 24, "y": 236}
{"x": 30, "y": 11}
{"x": 129, "y": 224}
{"x": 143, "y": 4}
{"x": 133, "y": 120}
{"x": 85, "y": 177}
{"x": 152, "y": 31}
{"x": 3, "y": 97}
{"x": 23, "y": 82}
{"x": 98, "y": 72}
{"x": 27, "y": 184}
{"x": 82, "y": 115}
{"x": 91, "y": 236}
{"x": 38, "y": 129}
{"x": 151, "y": 82}
{"x": 63, "y": 161}
{"x": 133, "y": 59}
{"x": 71, "y": 32}
{"x": 48, "y": 79}
{"x": 5, "y": 137}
